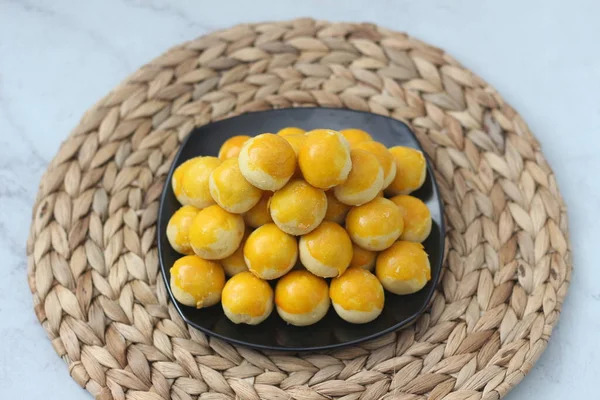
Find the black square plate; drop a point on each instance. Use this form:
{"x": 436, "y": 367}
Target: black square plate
{"x": 331, "y": 331}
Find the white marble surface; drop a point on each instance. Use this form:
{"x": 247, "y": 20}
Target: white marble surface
{"x": 58, "y": 57}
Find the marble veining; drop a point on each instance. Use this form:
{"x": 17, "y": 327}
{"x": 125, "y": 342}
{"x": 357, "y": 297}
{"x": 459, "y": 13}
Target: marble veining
{"x": 57, "y": 58}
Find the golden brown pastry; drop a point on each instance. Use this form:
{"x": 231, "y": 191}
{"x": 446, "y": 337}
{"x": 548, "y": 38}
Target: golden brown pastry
{"x": 298, "y": 207}
{"x": 235, "y": 263}
{"x": 336, "y": 210}
{"x": 195, "y": 189}
{"x": 232, "y": 146}
{"x": 364, "y": 182}
{"x": 362, "y": 258}
{"x": 296, "y": 141}
{"x": 301, "y": 298}
{"x": 231, "y": 190}
{"x": 324, "y": 158}
{"x": 357, "y": 296}
{"x": 178, "y": 229}
{"x": 416, "y": 216}
{"x": 289, "y": 131}
{"x": 376, "y": 225}
{"x": 384, "y": 157}
{"x": 270, "y": 252}
{"x": 326, "y": 251}
{"x": 356, "y": 136}
{"x": 259, "y": 214}
{"x": 267, "y": 161}
{"x": 197, "y": 282}
{"x": 403, "y": 268}
{"x": 247, "y": 299}
{"x": 411, "y": 170}
{"x": 216, "y": 233}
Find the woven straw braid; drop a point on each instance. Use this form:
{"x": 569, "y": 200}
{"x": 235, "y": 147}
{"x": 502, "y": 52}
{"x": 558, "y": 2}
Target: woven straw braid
{"x": 92, "y": 260}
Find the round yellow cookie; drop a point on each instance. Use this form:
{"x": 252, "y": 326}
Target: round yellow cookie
{"x": 296, "y": 141}
{"x": 267, "y": 161}
{"x": 178, "y": 229}
{"x": 177, "y": 179}
{"x": 301, "y": 298}
{"x": 364, "y": 182}
{"x": 416, "y": 216}
{"x": 290, "y": 131}
{"x": 247, "y": 299}
{"x": 326, "y": 251}
{"x": 269, "y": 252}
{"x": 197, "y": 282}
{"x": 195, "y": 189}
{"x": 298, "y": 207}
{"x": 403, "y": 268}
{"x": 376, "y": 225}
{"x": 362, "y": 258}
{"x": 259, "y": 214}
{"x": 232, "y": 146}
{"x": 411, "y": 170}
{"x": 324, "y": 158}
{"x": 235, "y": 263}
{"x": 231, "y": 190}
{"x": 384, "y": 157}
{"x": 356, "y": 136}
{"x": 216, "y": 233}
{"x": 357, "y": 296}
{"x": 336, "y": 210}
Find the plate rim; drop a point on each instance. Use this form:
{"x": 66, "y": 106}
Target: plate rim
{"x": 408, "y": 321}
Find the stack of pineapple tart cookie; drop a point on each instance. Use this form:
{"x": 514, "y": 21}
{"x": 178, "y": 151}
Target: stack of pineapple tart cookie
{"x": 299, "y": 208}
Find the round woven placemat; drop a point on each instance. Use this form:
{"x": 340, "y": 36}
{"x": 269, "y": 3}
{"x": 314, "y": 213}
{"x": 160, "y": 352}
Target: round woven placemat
{"x": 92, "y": 259}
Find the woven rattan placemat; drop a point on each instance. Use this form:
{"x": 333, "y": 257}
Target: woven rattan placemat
{"x": 92, "y": 259}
